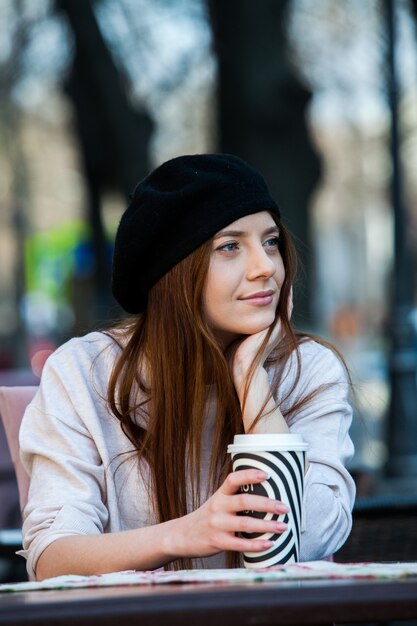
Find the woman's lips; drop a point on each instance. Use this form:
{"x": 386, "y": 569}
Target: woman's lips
{"x": 260, "y": 298}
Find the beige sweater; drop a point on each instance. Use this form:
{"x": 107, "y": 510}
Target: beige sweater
{"x": 71, "y": 444}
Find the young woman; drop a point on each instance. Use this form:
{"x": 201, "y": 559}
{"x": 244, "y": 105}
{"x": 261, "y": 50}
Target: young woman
{"x": 126, "y": 439}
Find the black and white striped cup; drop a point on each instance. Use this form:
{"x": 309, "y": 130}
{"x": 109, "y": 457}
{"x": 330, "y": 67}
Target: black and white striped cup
{"x": 282, "y": 457}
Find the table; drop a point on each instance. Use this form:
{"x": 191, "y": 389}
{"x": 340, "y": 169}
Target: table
{"x": 260, "y": 604}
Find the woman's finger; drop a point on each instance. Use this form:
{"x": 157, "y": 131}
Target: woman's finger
{"x": 247, "y": 524}
{"x": 239, "y": 544}
{"x": 238, "y": 479}
{"x": 260, "y": 504}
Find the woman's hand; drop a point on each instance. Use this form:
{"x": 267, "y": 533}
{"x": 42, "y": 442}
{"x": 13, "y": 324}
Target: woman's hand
{"x": 252, "y": 385}
{"x": 248, "y": 348}
{"x": 212, "y": 528}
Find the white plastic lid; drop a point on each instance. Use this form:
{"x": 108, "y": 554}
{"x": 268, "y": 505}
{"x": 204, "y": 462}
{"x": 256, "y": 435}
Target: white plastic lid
{"x": 268, "y": 442}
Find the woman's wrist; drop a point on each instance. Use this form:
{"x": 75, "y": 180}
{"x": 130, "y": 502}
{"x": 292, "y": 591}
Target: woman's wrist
{"x": 240, "y": 377}
{"x": 177, "y": 541}
{"x": 272, "y": 421}
{"x": 259, "y": 400}
{"x": 172, "y": 541}
{"x": 253, "y": 392}
{"x": 245, "y": 381}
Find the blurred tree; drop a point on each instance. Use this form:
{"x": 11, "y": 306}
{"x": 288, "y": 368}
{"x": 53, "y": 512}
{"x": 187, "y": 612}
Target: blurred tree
{"x": 402, "y": 422}
{"x": 113, "y": 135}
{"x": 11, "y": 139}
{"x": 261, "y": 114}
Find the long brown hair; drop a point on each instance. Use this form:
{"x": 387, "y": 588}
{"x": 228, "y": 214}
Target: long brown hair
{"x": 169, "y": 356}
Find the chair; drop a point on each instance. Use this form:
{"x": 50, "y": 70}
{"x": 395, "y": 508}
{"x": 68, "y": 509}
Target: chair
{"x": 9, "y": 494}
{"x": 13, "y": 402}
{"x": 384, "y": 529}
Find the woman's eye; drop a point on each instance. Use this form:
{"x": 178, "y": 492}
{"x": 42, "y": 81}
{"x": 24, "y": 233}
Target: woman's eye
{"x": 231, "y": 246}
{"x": 272, "y": 242}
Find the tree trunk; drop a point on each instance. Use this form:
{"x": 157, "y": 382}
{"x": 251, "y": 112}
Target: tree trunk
{"x": 261, "y": 116}
{"x": 114, "y": 138}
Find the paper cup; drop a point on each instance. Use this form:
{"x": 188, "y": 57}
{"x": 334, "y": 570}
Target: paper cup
{"x": 283, "y": 458}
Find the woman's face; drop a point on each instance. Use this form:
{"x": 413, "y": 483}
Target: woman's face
{"x": 244, "y": 279}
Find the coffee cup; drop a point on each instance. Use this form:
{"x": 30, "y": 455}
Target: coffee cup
{"x": 282, "y": 457}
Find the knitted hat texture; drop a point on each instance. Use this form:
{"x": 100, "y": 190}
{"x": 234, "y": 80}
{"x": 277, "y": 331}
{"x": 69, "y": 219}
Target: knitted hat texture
{"x": 179, "y": 206}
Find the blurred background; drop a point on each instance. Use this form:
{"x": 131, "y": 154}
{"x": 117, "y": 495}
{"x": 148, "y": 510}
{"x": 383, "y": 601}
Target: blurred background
{"x": 320, "y": 95}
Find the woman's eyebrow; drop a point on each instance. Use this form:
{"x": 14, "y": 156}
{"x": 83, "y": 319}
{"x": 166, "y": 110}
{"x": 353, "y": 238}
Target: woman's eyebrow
{"x": 230, "y": 233}
{"x": 243, "y": 233}
{"x": 272, "y": 229}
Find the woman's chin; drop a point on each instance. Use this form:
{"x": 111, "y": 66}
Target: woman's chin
{"x": 257, "y": 329}
{"x": 257, "y": 326}
{"x": 228, "y": 335}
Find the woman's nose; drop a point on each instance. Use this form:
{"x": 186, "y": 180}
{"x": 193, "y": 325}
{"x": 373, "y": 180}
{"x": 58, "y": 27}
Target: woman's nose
{"x": 260, "y": 265}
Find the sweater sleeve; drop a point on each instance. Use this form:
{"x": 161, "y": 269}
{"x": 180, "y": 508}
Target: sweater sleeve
{"x": 68, "y": 483}
{"x": 324, "y": 423}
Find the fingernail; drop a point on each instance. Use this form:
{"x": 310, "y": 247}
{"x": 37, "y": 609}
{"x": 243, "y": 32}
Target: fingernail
{"x": 263, "y": 475}
{"x": 281, "y": 527}
{"x": 281, "y": 508}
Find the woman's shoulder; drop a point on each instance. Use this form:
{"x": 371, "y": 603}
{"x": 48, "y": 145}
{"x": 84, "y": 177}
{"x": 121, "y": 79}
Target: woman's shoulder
{"x": 311, "y": 363}
{"x": 313, "y": 348}
{"x": 79, "y": 368}
{"x": 316, "y": 348}
{"x": 320, "y": 361}
{"x": 90, "y": 344}
{"x": 80, "y": 353}
{"x": 311, "y": 367}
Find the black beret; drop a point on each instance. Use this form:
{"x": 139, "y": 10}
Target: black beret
{"x": 179, "y": 206}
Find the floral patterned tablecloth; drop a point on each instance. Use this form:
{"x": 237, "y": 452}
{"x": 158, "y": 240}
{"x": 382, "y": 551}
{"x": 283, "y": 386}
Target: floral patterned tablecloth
{"x": 298, "y": 571}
